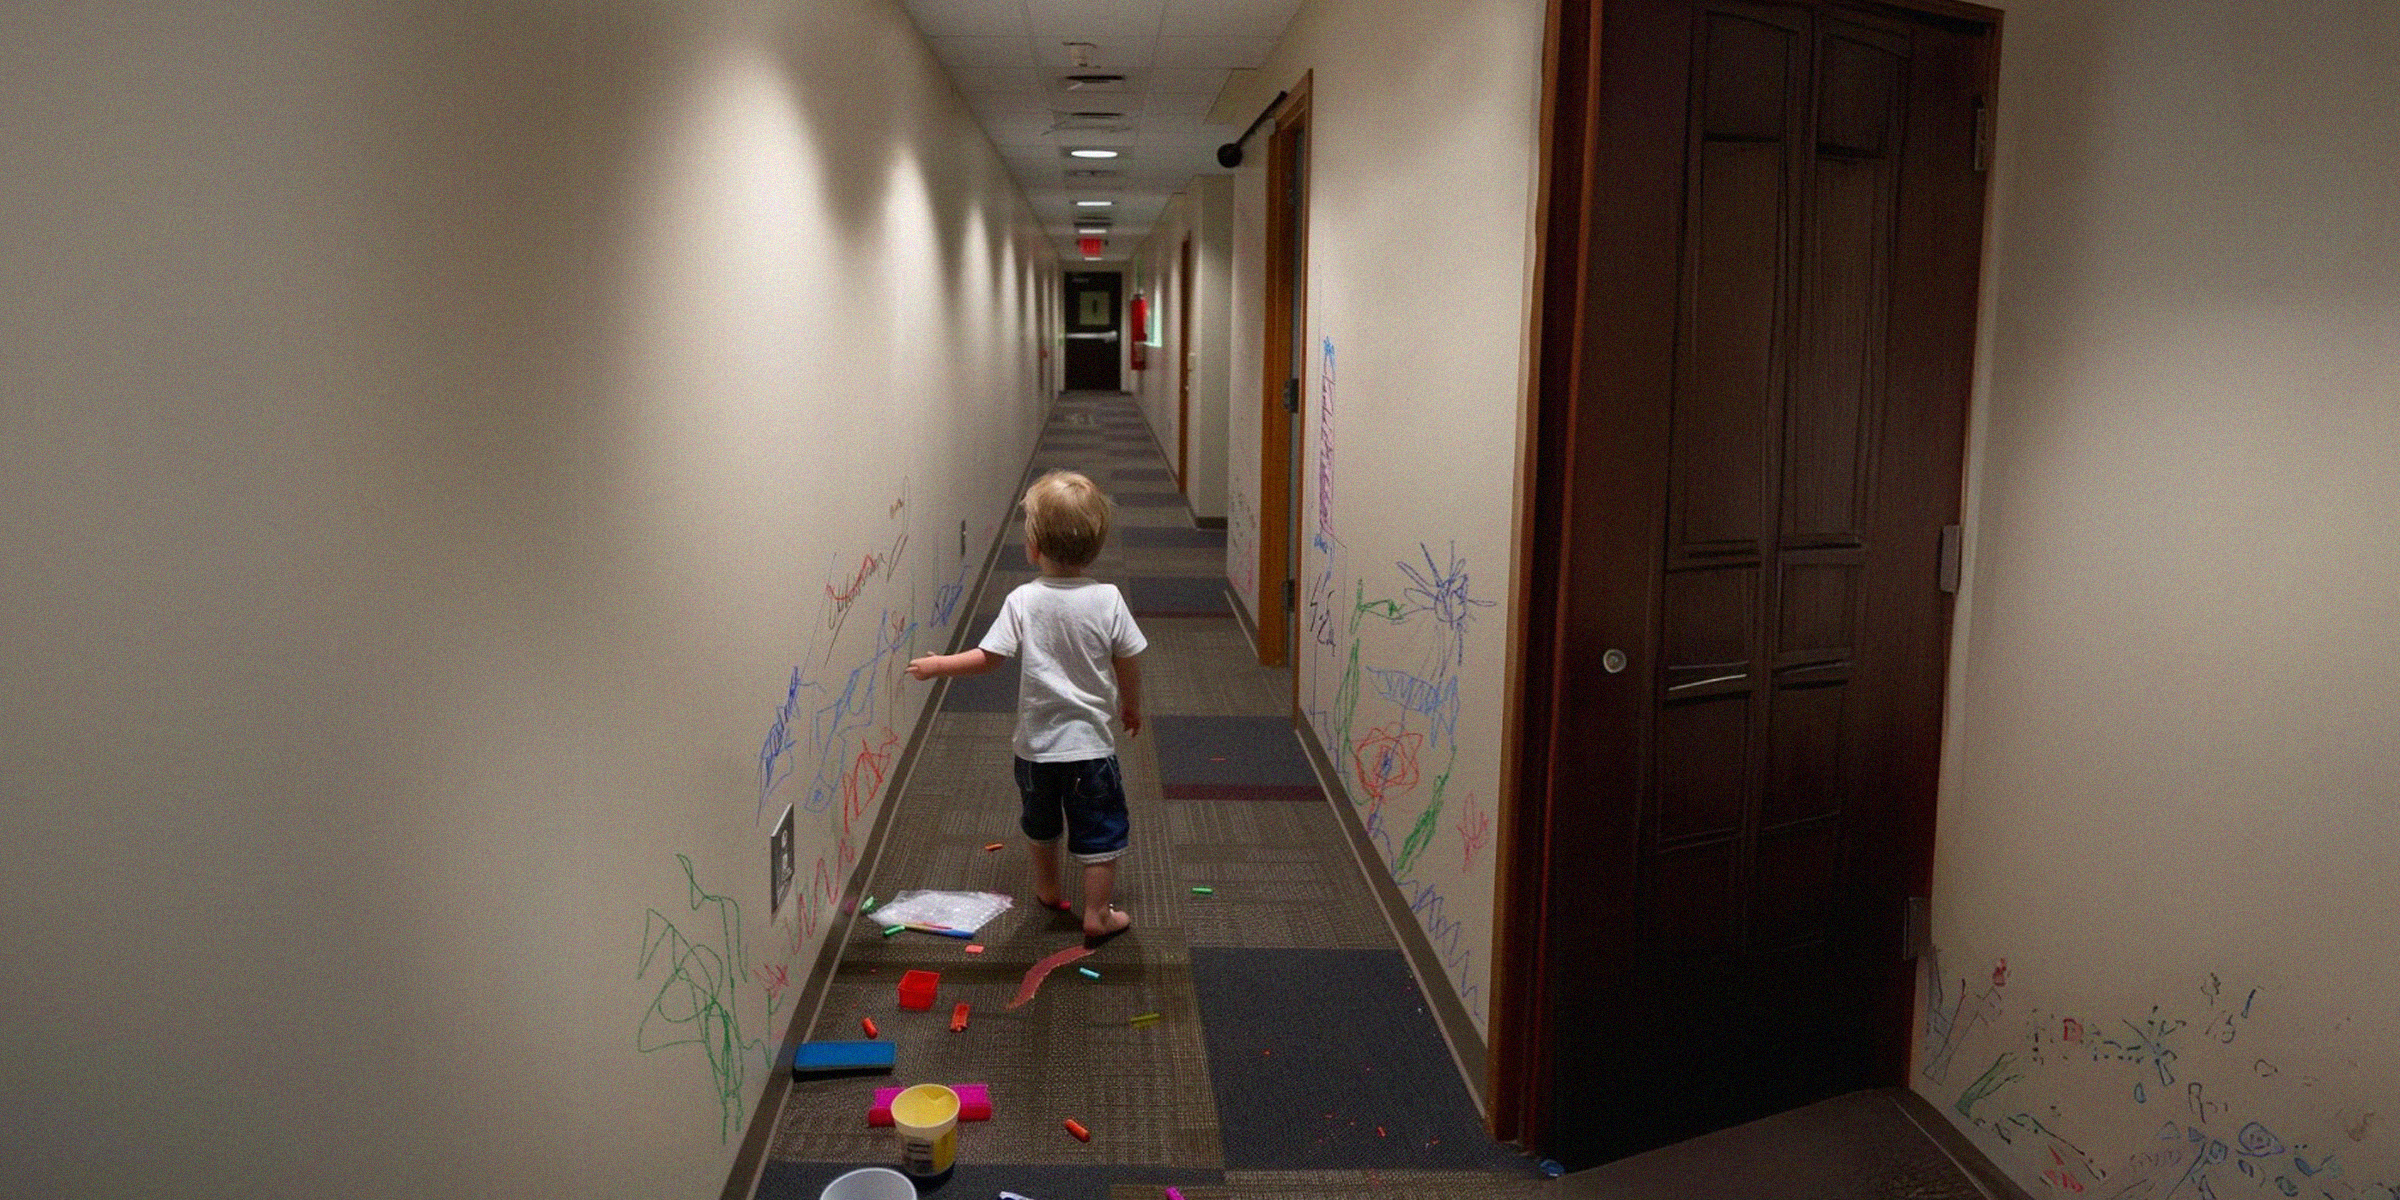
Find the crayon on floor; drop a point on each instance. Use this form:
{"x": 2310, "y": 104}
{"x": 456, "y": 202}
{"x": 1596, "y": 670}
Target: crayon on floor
{"x": 1087, "y": 972}
{"x": 868, "y": 1024}
{"x": 993, "y": 846}
{"x": 1144, "y": 1019}
{"x": 889, "y": 930}
{"x": 1076, "y": 1127}
{"x": 1204, "y": 891}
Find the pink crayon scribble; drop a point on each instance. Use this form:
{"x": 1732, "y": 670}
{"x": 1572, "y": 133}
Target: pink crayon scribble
{"x": 1474, "y": 827}
{"x": 2000, "y": 974}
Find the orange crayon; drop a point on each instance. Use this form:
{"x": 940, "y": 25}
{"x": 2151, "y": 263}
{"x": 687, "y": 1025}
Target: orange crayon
{"x": 1076, "y": 1127}
{"x": 868, "y": 1024}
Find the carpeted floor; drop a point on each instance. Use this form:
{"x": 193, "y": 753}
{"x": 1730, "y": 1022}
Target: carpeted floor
{"x": 1293, "y": 1056}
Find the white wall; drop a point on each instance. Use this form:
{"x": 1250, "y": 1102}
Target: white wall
{"x": 435, "y": 437}
{"x": 1424, "y": 120}
{"x": 1203, "y": 213}
{"x": 2164, "y": 896}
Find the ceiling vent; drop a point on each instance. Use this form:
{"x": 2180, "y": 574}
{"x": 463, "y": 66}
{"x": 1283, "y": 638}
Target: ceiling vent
{"x": 1089, "y": 173}
{"x": 1094, "y": 83}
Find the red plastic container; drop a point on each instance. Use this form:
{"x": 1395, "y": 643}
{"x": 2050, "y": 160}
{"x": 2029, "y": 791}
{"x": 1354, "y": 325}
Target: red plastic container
{"x": 916, "y": 988}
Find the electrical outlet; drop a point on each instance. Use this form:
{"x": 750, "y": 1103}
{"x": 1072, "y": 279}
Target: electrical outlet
{"x": 779, "y": 863}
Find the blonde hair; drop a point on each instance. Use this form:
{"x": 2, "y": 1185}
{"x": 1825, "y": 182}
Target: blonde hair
{"x": 1066, "y": 518}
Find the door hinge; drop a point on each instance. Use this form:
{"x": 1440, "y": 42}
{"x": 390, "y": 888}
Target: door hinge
{"x": 1952, "y": 548}
{"x": 1916, "y": 929}
{"x": 1291, "y": 594}
{"x": 1291, "y": 395}
{"x": 1983, "y": 135}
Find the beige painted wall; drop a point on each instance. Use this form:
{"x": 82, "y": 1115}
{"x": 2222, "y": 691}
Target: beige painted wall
{"x": 438, "y": 438}
{"x": 1424, "y": 118}
{"x": 2164, "y": 896}
{"x": 1204, "y": 215}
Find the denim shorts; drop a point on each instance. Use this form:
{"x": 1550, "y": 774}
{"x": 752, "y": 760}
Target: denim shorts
{"x": 1086, "y": 799}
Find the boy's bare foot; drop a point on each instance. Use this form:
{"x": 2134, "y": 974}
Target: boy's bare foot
{"x": 1111, "y": 922}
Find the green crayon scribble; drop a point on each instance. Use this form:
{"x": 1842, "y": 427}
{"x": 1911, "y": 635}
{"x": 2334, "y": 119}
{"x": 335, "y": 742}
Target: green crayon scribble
{"x": 696, "y": 1000}
{"x": 1985, "y": 1084}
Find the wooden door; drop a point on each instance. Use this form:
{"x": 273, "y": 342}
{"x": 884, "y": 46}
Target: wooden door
{"x": 1286, "y": 363}
{"x": 1759, "y": 329}
{"x": 1094, "y": 331}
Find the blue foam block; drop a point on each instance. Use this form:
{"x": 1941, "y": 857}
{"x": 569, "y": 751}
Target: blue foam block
{"x": 843, "y": 1058}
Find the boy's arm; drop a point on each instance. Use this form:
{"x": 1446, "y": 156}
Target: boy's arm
{"x": 965, "y": 662}
{"x": 1129, "y": 693}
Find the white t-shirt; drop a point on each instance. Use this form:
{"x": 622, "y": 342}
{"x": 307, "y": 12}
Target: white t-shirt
{"x": 1064, "y": 632}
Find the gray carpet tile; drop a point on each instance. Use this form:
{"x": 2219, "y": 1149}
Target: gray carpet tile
{"x": 1070, "y": 1052}
{"x": 1353, "y": 1185}
{"x": 1862, "y": 1146}
{"x": 1216, "y": 751}
{"x": 1207, "y": 667}
{"x": 1268, "y": 867}
{"x": 973, "y": 1180}
{"x": 1154, "y": 474}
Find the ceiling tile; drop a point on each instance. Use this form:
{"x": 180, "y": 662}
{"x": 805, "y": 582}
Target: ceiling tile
{"x": 982, "y": 51}
{"x": 996, "y": 79}
{"x": 1177, "y": 104}
{"x": 967, "y": 18}
{"x": 1094, "y": 19}
{"x": 1227, "y": 18}
{"x": 1213, "y": 51}
{"x": 1108, "y": 55}
{"x": 1188, "y": 79}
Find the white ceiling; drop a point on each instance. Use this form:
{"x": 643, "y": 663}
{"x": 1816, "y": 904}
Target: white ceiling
{"x": 1010, "y": 59}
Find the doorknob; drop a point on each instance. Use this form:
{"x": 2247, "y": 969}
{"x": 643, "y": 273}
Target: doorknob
{"x": 1613, "y": 661}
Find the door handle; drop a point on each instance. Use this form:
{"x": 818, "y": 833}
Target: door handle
{"x": 1110, "y": 336}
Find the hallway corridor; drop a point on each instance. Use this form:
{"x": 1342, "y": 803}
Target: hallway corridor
{"x": 1294, "y": 1055}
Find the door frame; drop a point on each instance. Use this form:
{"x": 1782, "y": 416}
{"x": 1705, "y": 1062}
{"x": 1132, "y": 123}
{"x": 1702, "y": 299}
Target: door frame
{"x": 1568, "y": 406}
{"x": 1183, "y": 368}
{"x": 1286, "y": 279}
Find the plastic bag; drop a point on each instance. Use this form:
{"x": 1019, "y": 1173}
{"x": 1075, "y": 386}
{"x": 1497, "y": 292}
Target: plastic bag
{"x": 964, "y": 912}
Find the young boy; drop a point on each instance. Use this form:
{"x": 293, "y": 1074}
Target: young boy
{"x": 1078, "y": 643}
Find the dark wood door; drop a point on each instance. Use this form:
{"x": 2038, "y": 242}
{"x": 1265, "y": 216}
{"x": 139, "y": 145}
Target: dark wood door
{"x": 1095, "y": 331}
{"x": 1754, "y": 425}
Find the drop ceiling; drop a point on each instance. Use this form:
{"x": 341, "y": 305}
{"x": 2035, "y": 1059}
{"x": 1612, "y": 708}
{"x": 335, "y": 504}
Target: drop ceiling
{"x": 1014, "y": 60}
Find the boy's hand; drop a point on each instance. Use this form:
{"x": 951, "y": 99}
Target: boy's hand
{"x": 1133, "y": 722}
{"x": 923, "y": 668}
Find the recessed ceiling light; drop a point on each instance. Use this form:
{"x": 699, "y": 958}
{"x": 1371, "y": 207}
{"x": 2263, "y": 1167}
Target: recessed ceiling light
{"x": 1094, "y": 203}
{"x": 1093, "y": 153}
{"x": 1091, "y": 229}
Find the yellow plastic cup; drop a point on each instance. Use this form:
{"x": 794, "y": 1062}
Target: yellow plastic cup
{"x": 926, "y": 1117}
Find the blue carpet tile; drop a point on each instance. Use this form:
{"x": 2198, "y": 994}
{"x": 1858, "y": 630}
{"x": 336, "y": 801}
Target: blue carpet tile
{"x": 1328, "y": 1059}
{"x": 1231, "y": 758}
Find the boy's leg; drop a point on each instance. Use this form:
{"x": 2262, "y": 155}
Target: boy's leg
{"x": 1100, "y": 879}
{"x": 1045, "y": 873}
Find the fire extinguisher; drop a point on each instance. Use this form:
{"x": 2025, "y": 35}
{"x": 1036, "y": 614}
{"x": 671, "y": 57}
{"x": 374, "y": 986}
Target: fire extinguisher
{"x": 1141, "y": 329}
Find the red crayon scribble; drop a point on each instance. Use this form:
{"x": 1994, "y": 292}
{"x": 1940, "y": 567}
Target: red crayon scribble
{"x": 866, "y": 570}
{"x": 1387, "y": 762}
{"x": 1474, "y": 826}
{"x": 2000, "y": 974}
{"x": 2071, "y": 1030}
{"x": 865, "y": 776}
{"x": 776, "y": 978}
